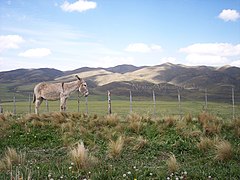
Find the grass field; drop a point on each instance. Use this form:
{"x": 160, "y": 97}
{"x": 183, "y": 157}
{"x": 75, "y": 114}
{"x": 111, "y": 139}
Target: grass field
{"x": 79, "y": 146}
{"x": 97, "y": 105}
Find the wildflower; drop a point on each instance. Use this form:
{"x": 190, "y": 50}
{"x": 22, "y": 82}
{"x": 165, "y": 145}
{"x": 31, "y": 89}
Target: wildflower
{"x": 134, "y": 167}
{"x": 37, "y": 167}
{"x": 185, "y": 172}
{"x": 72, "y": 163}
{"x": 70, "y": 167}
{"x": 61, "y": 177}
{"x": 150, "y": 174}
{"x": 49, "y": 175}
{"x": 209, "y": 177}
{"x": 128, "y": 172}
{"x": 124, "y": 175}
{"x": 168, "y": 178}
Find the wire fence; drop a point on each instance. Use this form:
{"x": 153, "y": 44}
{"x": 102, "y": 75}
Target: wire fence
{"x": 155, "y": 103}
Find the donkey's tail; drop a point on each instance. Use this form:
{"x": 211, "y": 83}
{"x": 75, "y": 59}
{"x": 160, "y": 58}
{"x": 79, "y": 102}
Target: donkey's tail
{"x": 34, "y": 97}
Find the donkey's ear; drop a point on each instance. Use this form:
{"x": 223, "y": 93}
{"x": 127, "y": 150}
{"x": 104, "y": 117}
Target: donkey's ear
{"x": 78, "y": 78}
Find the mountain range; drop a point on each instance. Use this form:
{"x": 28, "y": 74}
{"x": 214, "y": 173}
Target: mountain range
{"x": 122, "y": 78}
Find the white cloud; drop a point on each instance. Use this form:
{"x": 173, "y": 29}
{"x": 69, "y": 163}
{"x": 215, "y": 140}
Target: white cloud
{"x": 210, "y": 60}
{"x": 219, "y": 49}
{"x": 143, "y": 48}
{"x": 10, "y": 42}
{"x": 214, "y": 54}
{"x": 235, "y": 63}
{"x": 229, "y": 15}
{"x": 36, "y": 53}
{"x": 80, "y": 6}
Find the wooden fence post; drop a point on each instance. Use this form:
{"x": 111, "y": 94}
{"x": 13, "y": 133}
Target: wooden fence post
{"x": 154, "y": 104}
{"x": 109, "y": 103}
{"x": 47, "y": 107}
{"x": 78, "y": 101}
{"x": 233, "y": 104}
{"x": 30, "y": 104}
{"x": 86, "y": 103}
{"x": 130, "y": 98}
{"x": 14, "y": 104}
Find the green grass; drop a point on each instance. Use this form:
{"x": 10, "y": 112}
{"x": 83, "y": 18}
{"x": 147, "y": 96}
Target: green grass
{"x": 47, "y": 140}
{"x": 96, "y": 105}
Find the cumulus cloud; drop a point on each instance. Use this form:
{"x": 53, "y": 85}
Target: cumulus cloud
{"x": 80, "y": 6}
{"x": 229, "y": 15}
{"x": 235, "y": 63}
{"x": 215, "y": 54}
{"x": 10, "y": 42}
{"x": 36, "y": 53}
{"x": 143, "y": 48}
{"x": 219, "y": 49}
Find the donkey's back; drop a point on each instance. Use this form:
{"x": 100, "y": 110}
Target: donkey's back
{"x": 48, "y": 91}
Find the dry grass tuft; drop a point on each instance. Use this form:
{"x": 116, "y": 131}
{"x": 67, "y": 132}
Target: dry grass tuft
{"x": 188, "y": 118}
{"x": 115, "y": 147}
{"x": 134, "y": 117}
{"x": 80, "y": 157}
{"x": 205, "y": 144}
{"x": 211, "y": 124}
{"x": 31, "y": 117}
{"x": 11, "y": 157}
{"x": 58, "y": 117}
{"x": 170, "y": 121}
{"x": 2, "y": 117}
{"x": 172, "y": 164}
{"x": 112, "y": 119}
{"x": 223, "y": 151}
{"x": 236, "y": 126}
{"x": 141, "y": 142}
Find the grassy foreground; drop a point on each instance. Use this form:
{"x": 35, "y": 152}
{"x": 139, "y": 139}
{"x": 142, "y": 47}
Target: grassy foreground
{"x": 79, "y": 146}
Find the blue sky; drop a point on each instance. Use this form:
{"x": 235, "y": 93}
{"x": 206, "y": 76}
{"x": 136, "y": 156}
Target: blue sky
{"x": 69, "y": 34}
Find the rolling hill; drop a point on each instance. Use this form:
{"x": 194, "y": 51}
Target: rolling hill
{"x": 122, "y": 78}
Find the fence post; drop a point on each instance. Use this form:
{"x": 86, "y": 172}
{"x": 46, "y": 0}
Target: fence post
{"x": 154, "y": 104}
{"x": 78, "y": 101}
{"x": 130, "y": 98}
{"x": 30, "y": 105}
{"x": 47, "y": 107}
{"x": 86, "y": 103}
{"x": 14, "y": 104}
{"x": 233, "y": 104}
{"x": 206, "y": 100}
{"x": 179, "y": 104}
{"x": 109, "y": 103}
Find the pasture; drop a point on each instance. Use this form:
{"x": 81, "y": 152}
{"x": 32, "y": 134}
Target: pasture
{"x": 124, "y": 145}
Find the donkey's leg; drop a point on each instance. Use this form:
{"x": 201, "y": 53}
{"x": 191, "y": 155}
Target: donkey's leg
{"x": 63, "y": 103}
{"x": 37, "y": 104}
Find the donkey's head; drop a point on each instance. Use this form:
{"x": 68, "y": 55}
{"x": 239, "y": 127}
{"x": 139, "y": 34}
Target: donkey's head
{"x": 83, "y": 87}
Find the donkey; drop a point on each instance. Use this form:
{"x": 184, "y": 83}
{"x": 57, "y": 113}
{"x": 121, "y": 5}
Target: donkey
{"x": 56, "y": 91}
